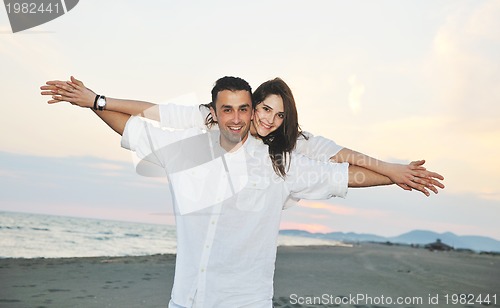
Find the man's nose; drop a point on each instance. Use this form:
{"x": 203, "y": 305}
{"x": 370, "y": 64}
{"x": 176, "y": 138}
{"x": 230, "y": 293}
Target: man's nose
{"x": 237, "y": 117}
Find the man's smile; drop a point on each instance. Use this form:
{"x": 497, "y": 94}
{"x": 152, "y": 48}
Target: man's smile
{"x": 235, "y": 128}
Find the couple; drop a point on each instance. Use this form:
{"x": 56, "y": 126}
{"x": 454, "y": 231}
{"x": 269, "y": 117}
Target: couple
{"x": 229, "y": 195}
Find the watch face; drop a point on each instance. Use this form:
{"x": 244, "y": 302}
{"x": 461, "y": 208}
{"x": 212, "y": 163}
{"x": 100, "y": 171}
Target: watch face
{"x": 101, "y": 102}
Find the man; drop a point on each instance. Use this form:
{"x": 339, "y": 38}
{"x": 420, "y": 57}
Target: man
{"x": 228, "y": 199}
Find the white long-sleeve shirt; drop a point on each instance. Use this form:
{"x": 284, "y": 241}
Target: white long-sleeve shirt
{"x": 228, "y": 209}
{"x": 183, "y": 117}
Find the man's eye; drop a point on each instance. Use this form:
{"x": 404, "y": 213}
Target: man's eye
{"x": 226, "y": 110}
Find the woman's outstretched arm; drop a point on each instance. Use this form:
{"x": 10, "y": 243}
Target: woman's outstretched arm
{"x": 408, "y": 177}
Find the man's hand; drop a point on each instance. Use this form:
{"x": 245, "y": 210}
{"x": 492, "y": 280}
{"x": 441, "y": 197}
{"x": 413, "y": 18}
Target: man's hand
{"x": 73, "y": 91}
{"x": 415, "y": 176}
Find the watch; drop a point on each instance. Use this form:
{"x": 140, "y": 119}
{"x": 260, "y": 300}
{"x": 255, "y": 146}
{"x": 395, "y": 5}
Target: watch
{"x": 101, "y": 102}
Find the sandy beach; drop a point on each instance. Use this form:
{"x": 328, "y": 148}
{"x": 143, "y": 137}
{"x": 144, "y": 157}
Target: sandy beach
{"x": 369, "y": 275}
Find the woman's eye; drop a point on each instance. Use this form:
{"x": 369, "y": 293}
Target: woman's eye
{"x": 281, "y": 116}
{"x": 265, "y": 108}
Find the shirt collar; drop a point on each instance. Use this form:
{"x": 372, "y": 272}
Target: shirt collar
{"x": 249, "y": 145}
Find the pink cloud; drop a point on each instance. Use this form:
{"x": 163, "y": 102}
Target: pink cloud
{"x": 314, "y": 228}
{"x": 336, "y": 209}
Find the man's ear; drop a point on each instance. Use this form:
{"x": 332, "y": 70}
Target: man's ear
{"x": 213, "y": 113}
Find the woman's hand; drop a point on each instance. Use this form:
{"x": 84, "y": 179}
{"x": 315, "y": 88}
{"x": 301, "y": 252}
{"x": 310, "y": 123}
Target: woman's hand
{"x": 73, "y": 91}
{"x": 415, "y": 176}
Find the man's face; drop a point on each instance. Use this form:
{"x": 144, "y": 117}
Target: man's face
{"x": 234, "y": 114}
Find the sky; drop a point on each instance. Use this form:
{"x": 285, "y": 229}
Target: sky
{"x": 397, "y": 80}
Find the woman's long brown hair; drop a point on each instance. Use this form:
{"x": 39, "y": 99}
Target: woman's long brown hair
{"x": 283, "y": 140}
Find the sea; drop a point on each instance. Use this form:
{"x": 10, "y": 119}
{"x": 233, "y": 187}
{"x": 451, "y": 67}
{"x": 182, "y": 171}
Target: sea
{"x": 25, "y": 235}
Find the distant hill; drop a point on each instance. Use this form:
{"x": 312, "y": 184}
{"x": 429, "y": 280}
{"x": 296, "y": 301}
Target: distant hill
{"x": 420, "y": 237}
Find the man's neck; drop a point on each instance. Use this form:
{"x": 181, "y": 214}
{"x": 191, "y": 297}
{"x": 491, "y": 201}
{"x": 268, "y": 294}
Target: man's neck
{"x": 231, "y": 147}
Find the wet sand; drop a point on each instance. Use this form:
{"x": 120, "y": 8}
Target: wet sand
{"x": 369, "y": 275}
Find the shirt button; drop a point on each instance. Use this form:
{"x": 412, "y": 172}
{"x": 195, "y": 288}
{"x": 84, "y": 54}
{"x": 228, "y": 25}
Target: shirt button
{"x": 213, "y": 222}
{"x": 202, "y": 270}
{"x": 207, "y": 246}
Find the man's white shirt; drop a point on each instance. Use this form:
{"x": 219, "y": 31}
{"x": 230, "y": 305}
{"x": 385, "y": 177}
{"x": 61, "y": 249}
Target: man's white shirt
{"x": 228, "y": 208}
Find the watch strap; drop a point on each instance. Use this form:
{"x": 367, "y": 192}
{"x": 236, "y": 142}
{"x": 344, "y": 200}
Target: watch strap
{"x": 95, "y": 101}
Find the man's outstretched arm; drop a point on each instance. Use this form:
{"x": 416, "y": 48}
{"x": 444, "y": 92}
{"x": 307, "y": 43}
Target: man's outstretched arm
{"x": 362, "y": 177}
{"x": 76, "y": 93}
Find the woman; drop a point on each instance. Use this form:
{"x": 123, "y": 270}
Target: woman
{"x": 275, "y": 122}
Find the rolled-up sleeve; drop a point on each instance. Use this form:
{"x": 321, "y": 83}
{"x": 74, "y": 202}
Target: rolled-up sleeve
{"x": 142, "y": 138}
{"x": 313, "y": 180}
{"x": 131, "y": 134}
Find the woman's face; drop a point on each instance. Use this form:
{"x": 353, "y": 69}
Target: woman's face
{"x": 269, "y": 115}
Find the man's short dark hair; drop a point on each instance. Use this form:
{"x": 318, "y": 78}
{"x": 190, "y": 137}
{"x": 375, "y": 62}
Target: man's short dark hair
{"x": 229, "y": 83}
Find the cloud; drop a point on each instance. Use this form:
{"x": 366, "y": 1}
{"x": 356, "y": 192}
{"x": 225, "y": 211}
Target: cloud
{"x": 339, "y": 210}
{"x": 12, "y": 175}
{"x": 106, "y": 166}
{"x": 77, "y": 182}
{"x": 485, "y": 21}
{"x": 391, "y": 211}
{"x": 82, "y": 209}
{"x": 17, "y": 50}
{"x": 313, "y": 228}
{"x": 464, "y": 65}
{"x": 327, "y": 207}
{"x": 489, "y": 194}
